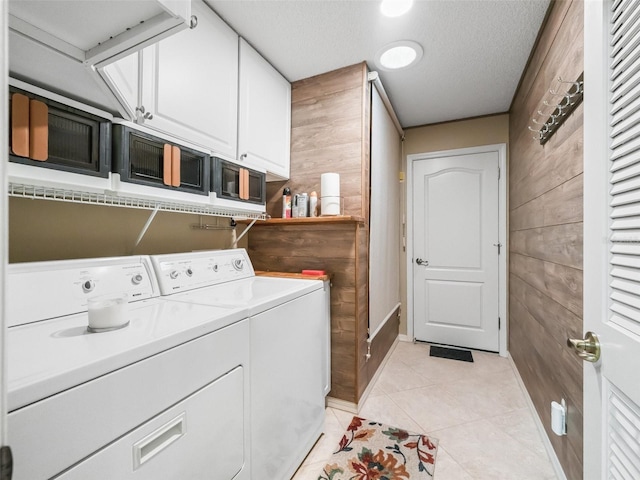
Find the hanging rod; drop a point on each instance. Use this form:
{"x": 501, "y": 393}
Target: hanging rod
{"x": 208, "y": 226}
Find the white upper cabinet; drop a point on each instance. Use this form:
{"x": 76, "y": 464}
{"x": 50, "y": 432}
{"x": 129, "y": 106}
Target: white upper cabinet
{"x": 100, "y": 31}
{"x": 123, "y": 77}
{"x": 204, "y": 87}
{"x": 190, "y": 84}
{"x": 264, "y": 116}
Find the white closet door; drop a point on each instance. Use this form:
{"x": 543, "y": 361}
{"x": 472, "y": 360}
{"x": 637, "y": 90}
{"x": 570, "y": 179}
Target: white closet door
{"x": 385, "y": 221}
{"x": 612, "y": 238}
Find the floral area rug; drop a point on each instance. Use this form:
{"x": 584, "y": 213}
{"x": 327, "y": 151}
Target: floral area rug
{"x": 373, "y": 451}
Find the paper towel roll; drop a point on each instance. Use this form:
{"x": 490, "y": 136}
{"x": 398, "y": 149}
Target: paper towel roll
{"x": 330, "y": 185}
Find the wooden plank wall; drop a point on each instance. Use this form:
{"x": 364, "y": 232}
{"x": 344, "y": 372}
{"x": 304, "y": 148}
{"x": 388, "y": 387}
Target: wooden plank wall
{"x": 334, "y": 248}
{"x": 329, "y": 133}
{"x": 545, "y": 225}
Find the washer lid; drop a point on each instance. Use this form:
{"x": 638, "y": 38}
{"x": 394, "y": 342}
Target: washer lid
{"x": 48, "y": 357}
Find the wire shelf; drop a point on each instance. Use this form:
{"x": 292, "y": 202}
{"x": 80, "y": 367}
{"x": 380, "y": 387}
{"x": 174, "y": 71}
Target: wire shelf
{"x": 112, "y": 200}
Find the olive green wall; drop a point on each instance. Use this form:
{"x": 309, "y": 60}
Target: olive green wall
{"x": 53, "y": 230}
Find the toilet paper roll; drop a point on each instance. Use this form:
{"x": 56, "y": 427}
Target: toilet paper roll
{"x": 330, "y": 185}
{"x": 329, "y": 206}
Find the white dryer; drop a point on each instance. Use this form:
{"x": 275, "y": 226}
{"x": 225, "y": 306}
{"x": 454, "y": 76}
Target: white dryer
{"x": 163, "y": 398}
{"x": 289, "y": 333}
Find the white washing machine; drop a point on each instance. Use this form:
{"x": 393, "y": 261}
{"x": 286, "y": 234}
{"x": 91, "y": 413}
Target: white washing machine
{"x": 289, "y": 333}
{"x": 164, "y": 398}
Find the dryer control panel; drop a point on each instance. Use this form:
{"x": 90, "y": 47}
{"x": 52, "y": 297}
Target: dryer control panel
{"x": 181, "y": 272}
{"x": 43, "y": 290}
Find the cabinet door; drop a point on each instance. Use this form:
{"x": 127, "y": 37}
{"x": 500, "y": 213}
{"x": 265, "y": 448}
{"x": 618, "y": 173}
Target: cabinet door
{"x": 256, "y": 188}
{"x": 264, "y": 116}
{"x": 190, "y": 84}
{"x": 122, "y": 77}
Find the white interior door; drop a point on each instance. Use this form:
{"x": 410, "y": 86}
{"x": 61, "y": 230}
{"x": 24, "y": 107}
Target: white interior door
{"x": 612, "y": 238}
{"x": 455, "y": 250}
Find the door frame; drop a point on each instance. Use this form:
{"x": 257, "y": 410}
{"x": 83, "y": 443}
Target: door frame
{"x": 501, "y": 149}
{"x": 596, "y": 223}
{"x": 4, "y": 208}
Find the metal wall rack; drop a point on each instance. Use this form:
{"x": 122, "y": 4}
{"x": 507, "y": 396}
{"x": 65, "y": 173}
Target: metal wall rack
{"x": 553, "y": 111}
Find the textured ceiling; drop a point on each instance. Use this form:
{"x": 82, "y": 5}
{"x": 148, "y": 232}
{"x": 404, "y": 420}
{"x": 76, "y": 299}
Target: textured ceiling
{"x": 474, "y": 50}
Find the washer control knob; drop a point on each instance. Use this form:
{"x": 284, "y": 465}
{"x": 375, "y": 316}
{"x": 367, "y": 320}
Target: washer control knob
{"x": 174, "y": 274}
{"x": 215, "y": 267}
{"x": 88, "y": 286}
{"x": 189, "y": 271}
{"x": 137, "y": 279}
{"x": 238, "y": 264}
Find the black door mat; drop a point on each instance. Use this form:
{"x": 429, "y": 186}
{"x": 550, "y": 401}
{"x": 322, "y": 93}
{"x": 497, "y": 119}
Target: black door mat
{"x": 451, "y": 353}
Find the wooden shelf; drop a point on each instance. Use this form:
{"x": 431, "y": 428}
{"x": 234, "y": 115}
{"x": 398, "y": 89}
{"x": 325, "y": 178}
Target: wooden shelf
{"x": 297, "y": 276}
{"x": 308, "y": 220}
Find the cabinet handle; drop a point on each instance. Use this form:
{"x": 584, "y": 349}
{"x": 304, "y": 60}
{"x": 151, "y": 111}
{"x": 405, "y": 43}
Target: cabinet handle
{"x": 159, "y": 440}
{"x": 241, "y": 182}
{"x": 142, "y": 114}
{"x": 243, "y": 156}
{"x": 175, "y": 166}
{"x": 246, "y": 185}
{"x": 166, "y": 161}
{"x": 38, "y": 130}
{"x": 20, "y": 124}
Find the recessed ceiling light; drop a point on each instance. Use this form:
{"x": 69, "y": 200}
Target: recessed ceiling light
{"x": 398, "y": 55}
{"x": 395, "y": 8}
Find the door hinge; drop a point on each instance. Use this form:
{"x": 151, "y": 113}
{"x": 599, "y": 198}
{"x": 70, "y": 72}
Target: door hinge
{"x": 499, "y": 173}
{"x": 6, "y": 463}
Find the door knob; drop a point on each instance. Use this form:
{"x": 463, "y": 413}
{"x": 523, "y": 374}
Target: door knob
{"x": 587, "y": 349}
{"x": 424, "y": 263}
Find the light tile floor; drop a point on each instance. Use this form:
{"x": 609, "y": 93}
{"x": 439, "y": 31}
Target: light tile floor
{"x": 477, "y": 411}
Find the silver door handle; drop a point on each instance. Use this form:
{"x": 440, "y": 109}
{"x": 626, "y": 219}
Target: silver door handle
{"x": 424, "y": 263}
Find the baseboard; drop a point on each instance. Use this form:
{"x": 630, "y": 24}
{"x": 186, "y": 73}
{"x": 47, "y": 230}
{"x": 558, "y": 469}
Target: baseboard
{"x": 555, "y": 462}
{"x": 342, "y": 405}
{"x": 404, "y": 338}
{"x": 352, "y": 407}
{"x": 376, "y": 375}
